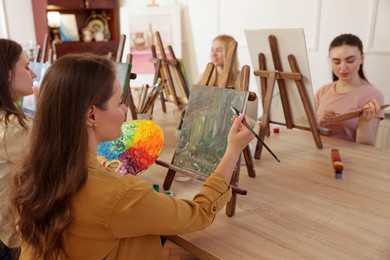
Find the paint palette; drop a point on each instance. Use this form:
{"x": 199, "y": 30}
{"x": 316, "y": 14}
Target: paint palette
{"x": 135, "y": 150}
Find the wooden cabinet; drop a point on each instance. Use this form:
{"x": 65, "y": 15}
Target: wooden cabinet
{"x": 82, "y": 9}
{"x": 101, "y": 48}
{"x": 80, "y": 4}
{"x": 76, "y": 4}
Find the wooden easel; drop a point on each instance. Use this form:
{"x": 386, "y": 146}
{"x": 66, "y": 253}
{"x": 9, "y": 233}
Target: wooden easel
{"x": 127, "y": 94}
{"x": 44, "y": 48}
{"x": 243, "y": 84}
{"x": 267, "y": 81}
{"x": 166, "y": 67}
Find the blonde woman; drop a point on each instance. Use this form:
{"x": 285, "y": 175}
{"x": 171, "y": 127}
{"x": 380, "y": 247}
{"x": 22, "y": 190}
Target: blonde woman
{"x": 219, "y": 48}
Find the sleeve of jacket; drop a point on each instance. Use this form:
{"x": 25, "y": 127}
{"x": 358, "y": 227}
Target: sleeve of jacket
{"x": 143, "y": 211}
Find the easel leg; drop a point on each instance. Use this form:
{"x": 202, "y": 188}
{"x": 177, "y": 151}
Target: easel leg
{"x": 165, "y": 71}
{"x": 266, "y": 109}
{"x": 231, "y": 205}
{"x": 306, "y": 103}
{"x": 263, "y": 83}
{"x": 169, "y": 179}
{"x": 130, "y": 103}
{"x": 249, "y": 162}
{"x": 163, "y": 105}
{"x": 282, "y": 86}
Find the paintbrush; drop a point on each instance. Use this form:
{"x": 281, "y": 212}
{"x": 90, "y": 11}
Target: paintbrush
{"x": 152, "y": 96}
{"x": 237, "y": 113}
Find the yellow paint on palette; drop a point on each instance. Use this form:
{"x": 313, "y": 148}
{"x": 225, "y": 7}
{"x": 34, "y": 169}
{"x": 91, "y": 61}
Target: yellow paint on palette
{"x": 136, "y": 149}
{"x": 149, "y": 137}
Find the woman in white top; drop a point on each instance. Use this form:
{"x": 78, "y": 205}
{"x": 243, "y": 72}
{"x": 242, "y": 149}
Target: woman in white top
{"x": 16, "y": 81}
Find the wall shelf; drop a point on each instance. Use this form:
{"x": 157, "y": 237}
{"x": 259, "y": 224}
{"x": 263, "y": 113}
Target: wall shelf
{"x": 82, "y": 9}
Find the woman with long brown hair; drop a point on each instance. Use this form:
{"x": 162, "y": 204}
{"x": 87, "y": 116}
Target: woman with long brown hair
{"x": 16, "y": 80}
{"x": 69, "y": 205}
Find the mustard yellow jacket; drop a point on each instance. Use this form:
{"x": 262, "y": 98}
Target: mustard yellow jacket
{"x": 122, "y": 217}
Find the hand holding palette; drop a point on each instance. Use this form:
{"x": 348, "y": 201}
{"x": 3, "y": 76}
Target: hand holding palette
{"x": 135, "y": 150}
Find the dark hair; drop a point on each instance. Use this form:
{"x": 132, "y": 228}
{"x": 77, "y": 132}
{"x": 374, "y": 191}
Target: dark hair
{"x": 350, "y": 40}
{"x": 55, "y": 167}
{"x": 9, "y": 55}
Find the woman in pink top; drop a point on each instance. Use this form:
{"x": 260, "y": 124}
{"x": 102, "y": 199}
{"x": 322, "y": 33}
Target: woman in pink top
{"x": 349, "y": 90}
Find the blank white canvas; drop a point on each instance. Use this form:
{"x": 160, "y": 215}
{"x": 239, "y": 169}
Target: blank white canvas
{"x": 290, "y": 41}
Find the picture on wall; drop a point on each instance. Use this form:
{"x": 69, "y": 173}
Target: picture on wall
{"x": 68, "y": 28}
{"x": 143, "y": 24}
{"x": 206, "y": 125}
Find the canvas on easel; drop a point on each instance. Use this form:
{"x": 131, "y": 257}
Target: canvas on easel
{"x": 202, "y": 173}
{"x": 203, "y": 141}
{"x": 124, "y": 74}
{"x": 290, "y": 41}
{"x": 281, "y": 56}
{"x": 242, "y": 85}
{"x": 29, "y": 102}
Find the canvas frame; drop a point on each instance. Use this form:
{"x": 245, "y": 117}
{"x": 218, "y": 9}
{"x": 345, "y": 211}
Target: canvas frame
{"x": 205, "y": 128}
{"x": 290, "y": 41}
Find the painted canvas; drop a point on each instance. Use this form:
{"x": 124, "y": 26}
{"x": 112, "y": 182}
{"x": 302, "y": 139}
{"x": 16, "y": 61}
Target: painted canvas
{"x": 68, "y": 28}
{"x": 206, "y": 125}
{"x": 123, "y": 71}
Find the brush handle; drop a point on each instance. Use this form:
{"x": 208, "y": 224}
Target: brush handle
{"x": 258, "y": 138}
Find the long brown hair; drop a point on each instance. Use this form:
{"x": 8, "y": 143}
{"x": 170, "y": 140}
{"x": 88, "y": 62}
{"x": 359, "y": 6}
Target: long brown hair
{"x": 225, "y": 40}
{"x": 9, "y": 55}
{"x": 55, "y": 167}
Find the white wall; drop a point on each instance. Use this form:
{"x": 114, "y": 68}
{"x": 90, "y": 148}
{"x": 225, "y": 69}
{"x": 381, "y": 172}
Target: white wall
{"x": 3, "y": 21}
{"x": 20, "y": 21}
{"x": 322, "y": 20}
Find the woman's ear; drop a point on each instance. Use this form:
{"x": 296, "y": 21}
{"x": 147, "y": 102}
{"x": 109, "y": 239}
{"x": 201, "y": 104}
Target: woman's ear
{"x": 91, "y": 121}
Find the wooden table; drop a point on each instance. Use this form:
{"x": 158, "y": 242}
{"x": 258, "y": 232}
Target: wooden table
{"x": 296, "y": 209}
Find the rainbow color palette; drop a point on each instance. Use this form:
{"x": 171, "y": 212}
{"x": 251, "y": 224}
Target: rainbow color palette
{"x": 135, "y": 150}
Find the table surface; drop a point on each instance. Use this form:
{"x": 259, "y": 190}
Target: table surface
{"x": 297, "y": 209}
